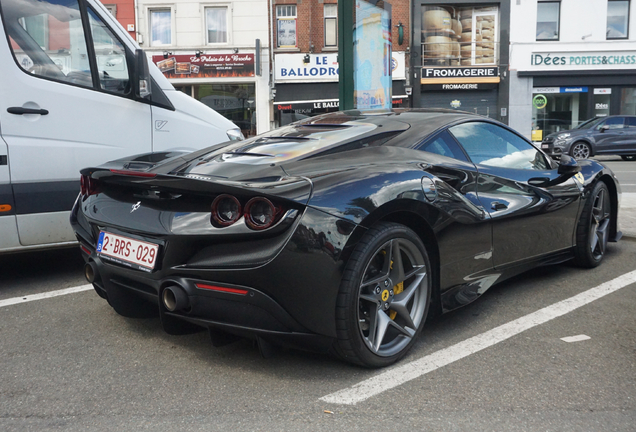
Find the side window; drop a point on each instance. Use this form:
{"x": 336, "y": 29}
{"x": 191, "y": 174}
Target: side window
{"x": 492, "y": 145}
{"x": 111, "y": 57}
{"x": 443, "y": 144}
{"x": 630, "y": 122}
{"x": 47, "y": 39}
{"x": 615, "y": 122}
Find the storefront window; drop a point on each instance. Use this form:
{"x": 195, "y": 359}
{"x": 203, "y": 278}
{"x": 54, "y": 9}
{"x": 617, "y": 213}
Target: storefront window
{"x": 460, "y": 36}
{"x": 628, "y": 101}
{"x": 557, "y": 109}
{"x": 236, "y": 102}
{"x": 548, "y": 20}
{"x": 617, "y": 19}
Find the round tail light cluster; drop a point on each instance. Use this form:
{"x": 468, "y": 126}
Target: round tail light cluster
{"x": 88, "y": 186}
{"x": 226, "y": 210}
{"x": 259, "y": 213}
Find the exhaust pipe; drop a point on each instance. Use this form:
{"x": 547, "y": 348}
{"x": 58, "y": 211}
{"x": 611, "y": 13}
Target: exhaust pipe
{"x": 174, "y": 298}
{"x": 90, "y": 272}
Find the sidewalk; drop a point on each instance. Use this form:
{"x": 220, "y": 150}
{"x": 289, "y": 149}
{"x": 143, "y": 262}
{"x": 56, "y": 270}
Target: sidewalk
{"x": 627, "y": 215}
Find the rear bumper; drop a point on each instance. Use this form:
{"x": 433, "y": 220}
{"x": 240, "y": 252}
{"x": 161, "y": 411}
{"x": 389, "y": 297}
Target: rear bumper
{"x": 290, "y": 286}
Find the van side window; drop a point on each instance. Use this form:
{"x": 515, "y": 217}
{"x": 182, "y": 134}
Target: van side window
{"x": 47, "y": 39}
{"x": 111, "y": 57}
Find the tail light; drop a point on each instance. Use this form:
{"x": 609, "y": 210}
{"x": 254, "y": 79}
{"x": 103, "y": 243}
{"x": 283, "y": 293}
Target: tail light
{"x": 88, "y": 186}
{"x": 260, "y": 213}
{"x": 226, "y": 210}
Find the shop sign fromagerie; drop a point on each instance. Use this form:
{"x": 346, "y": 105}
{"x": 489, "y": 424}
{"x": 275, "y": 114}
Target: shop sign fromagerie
{"x": 206, "y": 65}
{"x": 583, "y": 60}
{"x": 460, "y": 75}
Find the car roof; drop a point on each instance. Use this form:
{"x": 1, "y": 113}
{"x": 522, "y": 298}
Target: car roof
{"x": 422, "y": 121}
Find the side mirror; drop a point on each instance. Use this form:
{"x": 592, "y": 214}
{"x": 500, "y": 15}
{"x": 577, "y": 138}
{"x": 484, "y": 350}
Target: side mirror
{"x": 568, "y": 168}
{"x": 604, "y": 128}
{"x": 141, "y": 76}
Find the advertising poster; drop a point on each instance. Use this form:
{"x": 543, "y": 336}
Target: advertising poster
{"x": 372, "y": 84}
{"x": 206, "y": 66}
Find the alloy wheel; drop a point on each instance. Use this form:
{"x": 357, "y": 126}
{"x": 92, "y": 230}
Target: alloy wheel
{"x": 599, "y": 229}
{"x": 392, "y": 297}
{"x": 580, "y": 151}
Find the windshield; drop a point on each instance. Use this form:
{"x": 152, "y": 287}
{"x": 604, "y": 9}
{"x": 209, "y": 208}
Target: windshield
{"x": 591, "y": 123}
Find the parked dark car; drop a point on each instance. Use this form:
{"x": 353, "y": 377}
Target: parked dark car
{"x": 612, "y": 135}
{"x": 338, "y": 233}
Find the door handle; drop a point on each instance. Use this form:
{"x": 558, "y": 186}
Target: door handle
{"x": 20, "y": 111}
{"x": 496, "y": 205}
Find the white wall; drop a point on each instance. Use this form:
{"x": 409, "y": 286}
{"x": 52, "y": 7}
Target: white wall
{"x": 248, "y": 22}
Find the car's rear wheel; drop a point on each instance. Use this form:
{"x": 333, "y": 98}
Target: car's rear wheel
{"x": 593, "y": 230}
{"x": 384, "y": 296}
{"x": 629, "y": 157}
{"x": 580, "y": 150}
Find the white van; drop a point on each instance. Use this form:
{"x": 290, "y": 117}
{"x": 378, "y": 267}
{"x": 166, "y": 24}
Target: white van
{"x": 76, "y": 91}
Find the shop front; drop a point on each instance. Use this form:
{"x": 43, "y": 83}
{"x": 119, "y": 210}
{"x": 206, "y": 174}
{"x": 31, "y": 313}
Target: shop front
{"x": 570, "y": 87}
{"x": 307, "y": 85}
{"x": 461, "y": 63}
{"x": 226, "y": 82}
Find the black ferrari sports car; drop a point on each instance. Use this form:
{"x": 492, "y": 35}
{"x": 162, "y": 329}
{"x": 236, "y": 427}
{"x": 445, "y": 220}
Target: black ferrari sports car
{"x": 338, "y": 233}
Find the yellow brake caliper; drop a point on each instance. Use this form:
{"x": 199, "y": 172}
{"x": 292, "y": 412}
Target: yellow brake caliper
{"x": 396, "y": 290}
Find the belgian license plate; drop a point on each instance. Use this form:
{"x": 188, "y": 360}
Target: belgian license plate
{"x": 134, "y": 253}
{"x": 545, "y": 146}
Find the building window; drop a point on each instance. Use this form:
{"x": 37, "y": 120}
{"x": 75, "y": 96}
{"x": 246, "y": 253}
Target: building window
{"x": 112, "y": 8}
{"x": 617, "y": 19}
{"x": 331, "y": 25}
{"x": 216, "y": 24}
{"x": 460, "y": 35}
{"x": 160, "y": 27}
{"x": 286, "y": 26}
{"x": 548, "y": 20}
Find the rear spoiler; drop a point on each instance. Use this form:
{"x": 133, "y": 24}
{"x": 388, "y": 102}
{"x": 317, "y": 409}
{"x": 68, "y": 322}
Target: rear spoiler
{"x": 296, "y": 189}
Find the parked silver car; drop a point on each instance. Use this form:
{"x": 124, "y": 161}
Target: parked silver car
{"x": 611, "y": 135}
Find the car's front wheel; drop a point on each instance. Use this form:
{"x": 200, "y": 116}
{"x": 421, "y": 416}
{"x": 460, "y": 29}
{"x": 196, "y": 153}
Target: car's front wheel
{"x": 593, "y": 230}
{"x": 629, "y": 157}
{"x": 384, "y": 296}
{"x": 580, "y": 150}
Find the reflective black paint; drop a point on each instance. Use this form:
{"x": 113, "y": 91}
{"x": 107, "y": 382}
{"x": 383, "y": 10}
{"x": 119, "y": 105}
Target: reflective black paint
{"x": 481, "y": 224}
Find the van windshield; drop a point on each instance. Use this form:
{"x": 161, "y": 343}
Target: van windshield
{"x": 48, "y": 39}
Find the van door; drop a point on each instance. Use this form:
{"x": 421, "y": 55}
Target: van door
{"x": 66, "y": 104}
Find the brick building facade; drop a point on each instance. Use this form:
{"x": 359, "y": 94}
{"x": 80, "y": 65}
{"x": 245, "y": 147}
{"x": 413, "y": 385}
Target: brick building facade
{"x": 305, "y": 64}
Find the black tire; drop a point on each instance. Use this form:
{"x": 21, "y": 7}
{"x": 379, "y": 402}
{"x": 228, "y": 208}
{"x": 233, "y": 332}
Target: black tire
{"x": 385, "y": 292}
{"x": 592, "y": 232}
{"x": 580, "y": 150}
{"x": 629, "y": 158}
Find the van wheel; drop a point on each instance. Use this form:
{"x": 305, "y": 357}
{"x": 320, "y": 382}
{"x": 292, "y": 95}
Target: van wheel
{"x": 580, "y": 150}
{"x": 629, "y": 158}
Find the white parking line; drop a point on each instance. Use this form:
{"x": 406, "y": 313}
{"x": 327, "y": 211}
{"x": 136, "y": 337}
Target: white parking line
{"x": 25, "y": 299}
{"x": 407, "y": 372}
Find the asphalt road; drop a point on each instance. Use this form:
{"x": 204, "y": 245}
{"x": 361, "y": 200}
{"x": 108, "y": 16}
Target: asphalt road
{"x": 70, "y": 363}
